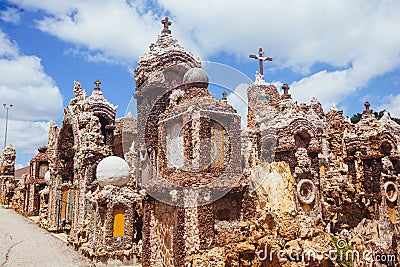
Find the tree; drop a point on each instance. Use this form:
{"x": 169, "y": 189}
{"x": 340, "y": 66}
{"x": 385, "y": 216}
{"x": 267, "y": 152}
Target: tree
{"x": 378, "y": 115}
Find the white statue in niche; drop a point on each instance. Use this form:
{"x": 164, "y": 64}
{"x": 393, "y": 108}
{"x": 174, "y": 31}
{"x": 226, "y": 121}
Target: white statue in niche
{"x": 175, "y": 146}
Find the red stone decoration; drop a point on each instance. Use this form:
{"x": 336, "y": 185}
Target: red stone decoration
{"x": 390, "y": 191}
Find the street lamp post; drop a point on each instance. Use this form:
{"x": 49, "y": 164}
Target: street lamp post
{"x": 7, "y": 108}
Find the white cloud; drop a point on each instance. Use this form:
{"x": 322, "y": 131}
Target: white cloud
{"x": 238, "y": 99}
{"x": 24, "y": 84}
{"x": 392, "y": 105}
{"x": 116, "y": 30}
{"x": 55, "y": 7}
{"x": 26, "y": 136}
{"x": 34, "y": 96}
{"x": 7, "y": 47}
{"x": 10, "y": 15}
{"x": 356, "y": 38}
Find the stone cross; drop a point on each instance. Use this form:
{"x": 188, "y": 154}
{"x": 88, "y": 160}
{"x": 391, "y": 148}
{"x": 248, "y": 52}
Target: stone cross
{"x": 224, "y": 95}
{"x": 97, "y": 83}
{"x": 165, "y": 21}
{"x": 261, "y": 59}
{"x": 367, "y": 105}
{"x": 285, "y": 88}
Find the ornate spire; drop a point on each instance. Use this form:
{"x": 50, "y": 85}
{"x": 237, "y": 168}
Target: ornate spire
{"x": 367, "y": 107}
{"x": 224, "y": 96}
{"x": 166, "y": 52}
{"x": 285, "y": 88}
{"x": 97, "y": 94}
{"x": 97, "y": 83}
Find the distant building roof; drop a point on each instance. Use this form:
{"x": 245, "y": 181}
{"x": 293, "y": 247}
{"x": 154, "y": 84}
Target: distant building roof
{"x": 18, "y": 173}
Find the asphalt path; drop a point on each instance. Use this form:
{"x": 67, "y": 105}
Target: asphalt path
{"x": 23, "y": 243}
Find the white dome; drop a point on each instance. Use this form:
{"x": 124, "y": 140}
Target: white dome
{"x": 47, "y": 176}
{"x": 197, "y": 76}
{"x": 112, "y": 170}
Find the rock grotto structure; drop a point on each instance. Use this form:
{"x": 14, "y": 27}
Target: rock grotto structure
{"x": 184, "y": 185}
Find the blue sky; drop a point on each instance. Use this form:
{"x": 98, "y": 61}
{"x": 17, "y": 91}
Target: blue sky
{"x": 342, "y": 52}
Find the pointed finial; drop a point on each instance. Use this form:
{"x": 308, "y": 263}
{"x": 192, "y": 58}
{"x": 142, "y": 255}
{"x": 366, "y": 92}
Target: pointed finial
{"x": 97, "y": 83}
{"x": 166, "y": 22}
{"x": 367, "y": 105}
{"x": 367, "y": 108}
{"x": 224, "y": 95}
{"x": 285, "y": 88}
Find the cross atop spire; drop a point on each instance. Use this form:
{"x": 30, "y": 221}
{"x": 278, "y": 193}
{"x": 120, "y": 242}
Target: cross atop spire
{"x": 166, "y": 22}
{"x": 261, "y": 58}
{"x": 367, "y": 105}
{"x": 97, "y": 83}
{"x": 285, "y": 88}
{"x": 224, "y": 95}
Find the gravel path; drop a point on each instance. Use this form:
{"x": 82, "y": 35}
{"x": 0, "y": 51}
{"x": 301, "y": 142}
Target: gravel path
{"x": 22, "y": 243}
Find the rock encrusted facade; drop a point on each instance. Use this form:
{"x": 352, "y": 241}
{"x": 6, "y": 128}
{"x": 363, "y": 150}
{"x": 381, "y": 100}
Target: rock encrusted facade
{"x": 183, "y": 185}
{"x": 36, "y": 182}
{"x": 7, "y": 169}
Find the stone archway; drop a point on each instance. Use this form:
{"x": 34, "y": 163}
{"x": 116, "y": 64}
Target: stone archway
{"x": 302, "y": 139}
{"x": 66, "y": 152}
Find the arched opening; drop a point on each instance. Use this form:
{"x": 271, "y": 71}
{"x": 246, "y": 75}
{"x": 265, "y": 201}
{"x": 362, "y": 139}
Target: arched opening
{"x": 138, "y": 228}
{"x": 64, "y": 203}
{"x": 119, "y": 221}
{"x": 218, "y": 140}
{"x": 386, "y": 148}
{"x": 103, "y": 123}
{"x": 174, "y": 145}
{"x": 43, "y": 168}
{"x": 302, "y": 139}
{"x": 66, "y": 151}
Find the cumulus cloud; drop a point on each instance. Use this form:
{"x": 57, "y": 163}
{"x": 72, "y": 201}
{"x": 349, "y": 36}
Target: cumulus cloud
{"x": 25, "y": 84}
{"x": 356, "y": 39}
{"x": 10, "y": 15}
{"x": 26, "y": 136}
{"x": 392, "y": 104}
{"x": 34, "y": 96}
{"x": 116, "y": 30}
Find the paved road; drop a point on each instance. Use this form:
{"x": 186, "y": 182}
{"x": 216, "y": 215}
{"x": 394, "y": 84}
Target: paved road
{"x": 22, "y": 243}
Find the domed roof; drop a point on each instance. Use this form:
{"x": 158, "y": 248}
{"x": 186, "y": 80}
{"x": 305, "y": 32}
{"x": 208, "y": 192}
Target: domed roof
{"x": 42, "y": 149}
{"x": 166, "y": 52}
{"x": 112, "y": 170}
{"x": 196, "y": 76}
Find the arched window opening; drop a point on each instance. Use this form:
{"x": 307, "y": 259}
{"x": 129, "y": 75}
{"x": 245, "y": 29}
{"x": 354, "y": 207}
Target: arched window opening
{"x": 103, "y": 123}
{"x": 386, "y": 148}
{"x": 119, "y": 222}
{"x": 43, "y": 168}
{"x": 175, "y": 147}
{"x": 302, "y": 139}
{"x": 67, "y": 154}
{"x": 218, "y": 140}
